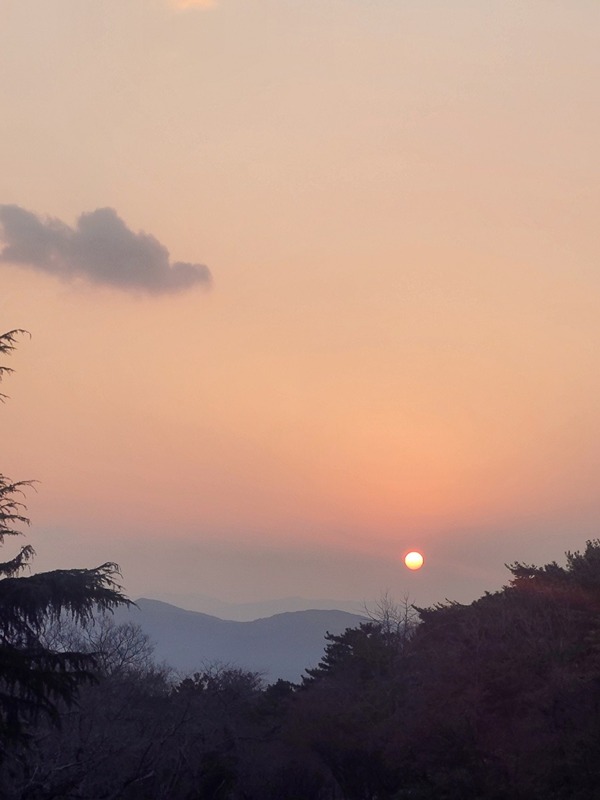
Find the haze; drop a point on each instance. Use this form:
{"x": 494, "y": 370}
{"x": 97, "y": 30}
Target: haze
{"x": 309, "y": 284}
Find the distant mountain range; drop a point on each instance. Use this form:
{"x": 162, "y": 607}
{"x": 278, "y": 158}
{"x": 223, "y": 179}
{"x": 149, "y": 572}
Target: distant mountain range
{"x": 279, "y": 646}
{"x": 245, "y": 612}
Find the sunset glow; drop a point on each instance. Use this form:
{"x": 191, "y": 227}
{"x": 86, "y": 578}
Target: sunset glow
{"x": 300, "y": 277}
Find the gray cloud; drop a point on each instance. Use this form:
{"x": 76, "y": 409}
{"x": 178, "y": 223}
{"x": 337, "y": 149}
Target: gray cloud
{"x": 100, "y": 248}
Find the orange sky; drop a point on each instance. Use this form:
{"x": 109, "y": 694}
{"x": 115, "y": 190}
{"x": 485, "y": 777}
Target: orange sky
{"x": 398, "y": 204}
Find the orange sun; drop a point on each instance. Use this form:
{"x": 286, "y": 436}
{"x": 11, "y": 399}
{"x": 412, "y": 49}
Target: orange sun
{"x": 413, "y": 560}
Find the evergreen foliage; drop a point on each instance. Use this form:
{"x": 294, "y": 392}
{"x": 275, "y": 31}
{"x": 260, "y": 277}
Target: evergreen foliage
{"x": 35, "y": 678}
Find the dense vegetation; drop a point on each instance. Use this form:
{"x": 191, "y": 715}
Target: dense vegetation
{"x": 498, "y": 699}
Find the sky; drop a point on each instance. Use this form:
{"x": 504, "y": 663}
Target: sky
{"x": 309, "y": 285}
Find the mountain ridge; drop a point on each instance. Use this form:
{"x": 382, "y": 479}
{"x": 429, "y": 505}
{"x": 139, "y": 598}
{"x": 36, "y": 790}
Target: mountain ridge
{"x": 279, "y": 646}
{"x": 248, "y": 611}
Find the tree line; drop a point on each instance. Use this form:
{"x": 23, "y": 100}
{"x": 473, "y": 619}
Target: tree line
{"x": 495, "y": 699}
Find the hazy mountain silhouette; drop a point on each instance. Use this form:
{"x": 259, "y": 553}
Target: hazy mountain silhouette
{"x": 245, "y": 612}
{"x": 280, "y": 646}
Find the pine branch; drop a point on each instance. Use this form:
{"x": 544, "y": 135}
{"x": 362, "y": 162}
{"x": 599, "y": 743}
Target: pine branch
{"x": 8, "y": 342}
{"x": 11, "y": 509}
{"x": 30, "y": 602}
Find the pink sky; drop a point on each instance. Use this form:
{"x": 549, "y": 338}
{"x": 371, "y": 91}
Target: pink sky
{"x": 398, "y": 204}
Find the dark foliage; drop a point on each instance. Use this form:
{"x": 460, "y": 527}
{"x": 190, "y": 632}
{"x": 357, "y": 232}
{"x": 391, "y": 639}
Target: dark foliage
{"x": 34, "y": 678}
{"x": 498, "y": 699}
{"x": 495, "y": 700}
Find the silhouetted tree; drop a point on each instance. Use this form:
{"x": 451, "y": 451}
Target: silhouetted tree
{"x": 349, "y": 703}
{"x": 35, "y": 678}
{"x": 507, "y": 691}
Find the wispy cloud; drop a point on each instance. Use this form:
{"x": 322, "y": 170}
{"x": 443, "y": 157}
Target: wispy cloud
{"x": 100, "y": 248}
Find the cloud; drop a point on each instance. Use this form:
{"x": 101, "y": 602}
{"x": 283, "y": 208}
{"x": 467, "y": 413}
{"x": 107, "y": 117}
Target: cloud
{"x": 100, "y": 248}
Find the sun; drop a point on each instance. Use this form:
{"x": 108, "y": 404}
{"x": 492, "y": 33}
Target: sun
{"x": 413, "y": 560}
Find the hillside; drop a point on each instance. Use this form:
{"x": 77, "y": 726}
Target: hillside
{"x": 280, "y": 646}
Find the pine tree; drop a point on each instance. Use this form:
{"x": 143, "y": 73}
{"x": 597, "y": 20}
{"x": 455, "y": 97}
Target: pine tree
{"x": 34, "y": 678}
